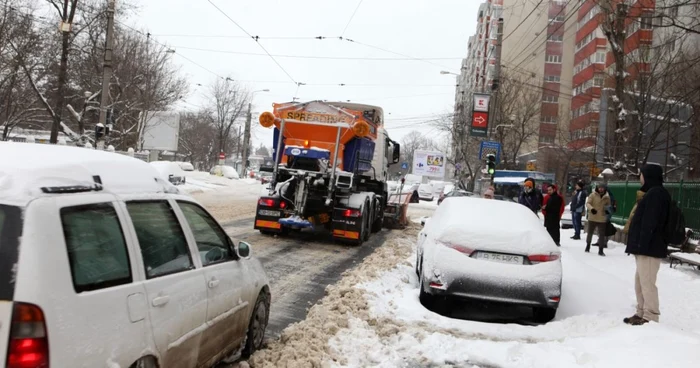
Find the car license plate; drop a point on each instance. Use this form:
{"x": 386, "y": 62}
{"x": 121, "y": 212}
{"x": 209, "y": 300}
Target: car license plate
{"x": 269, "y": 213}
{"x": 501, "y": 258}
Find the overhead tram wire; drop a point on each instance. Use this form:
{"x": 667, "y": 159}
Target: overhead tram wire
{"x": 312, "y": 56}
{"x": 524, "y": 20}
{"x": 351, "y": 18}
{"x": 393, "y": 52}
{"x": 256, "y": 39}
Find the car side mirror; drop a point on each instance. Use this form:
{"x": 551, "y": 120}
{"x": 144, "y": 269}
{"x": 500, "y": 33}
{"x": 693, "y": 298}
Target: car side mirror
{"x": 243, "y": 250}
{"x": 396, "y": 155}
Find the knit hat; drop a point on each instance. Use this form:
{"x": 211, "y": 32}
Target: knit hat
{"x": 488, "y": 192}
{"x": 528, "y": 184}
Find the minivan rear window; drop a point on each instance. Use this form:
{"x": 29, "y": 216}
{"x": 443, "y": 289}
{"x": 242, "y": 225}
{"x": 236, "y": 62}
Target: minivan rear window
{"x": 10, "y": 234}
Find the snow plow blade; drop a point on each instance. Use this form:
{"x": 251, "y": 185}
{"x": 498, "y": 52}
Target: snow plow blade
{"x": 395, "y": 216}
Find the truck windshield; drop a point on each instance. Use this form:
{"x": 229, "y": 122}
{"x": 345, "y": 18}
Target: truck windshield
{"x": 10, "y": 233}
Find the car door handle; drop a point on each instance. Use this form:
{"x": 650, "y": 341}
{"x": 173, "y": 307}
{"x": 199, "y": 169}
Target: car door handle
{"x": 160, "y": 301}
{"x": 213, "y": 283}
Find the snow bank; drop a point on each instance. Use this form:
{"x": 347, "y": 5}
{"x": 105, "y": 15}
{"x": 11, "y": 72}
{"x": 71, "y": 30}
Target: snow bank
{"x": 306, "y": 343}
{"x": 588, "y": 332}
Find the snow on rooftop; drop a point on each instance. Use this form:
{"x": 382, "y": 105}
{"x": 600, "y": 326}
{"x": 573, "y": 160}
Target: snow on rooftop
{"x": 26, "y": 168}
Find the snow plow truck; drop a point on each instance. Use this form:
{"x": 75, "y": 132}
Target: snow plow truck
{"x": 331, "y": 161}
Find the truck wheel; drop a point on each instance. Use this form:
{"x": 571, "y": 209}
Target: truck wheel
{"x": 377, "y": 223}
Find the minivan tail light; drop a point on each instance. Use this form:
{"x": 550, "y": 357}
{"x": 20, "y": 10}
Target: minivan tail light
{"x": 352, "y": 213}
{"x": 29, "y": 345}
{"x": 539, "y": 258}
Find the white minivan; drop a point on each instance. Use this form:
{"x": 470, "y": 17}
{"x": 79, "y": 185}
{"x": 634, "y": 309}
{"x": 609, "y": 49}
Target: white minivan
{"x": 104, "y": 264}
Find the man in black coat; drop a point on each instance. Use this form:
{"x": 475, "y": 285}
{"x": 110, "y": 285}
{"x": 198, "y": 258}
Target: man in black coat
{"x": 552, "y": 209}
{"x": 577, "y": 207}
{"x": 646, "y": 241}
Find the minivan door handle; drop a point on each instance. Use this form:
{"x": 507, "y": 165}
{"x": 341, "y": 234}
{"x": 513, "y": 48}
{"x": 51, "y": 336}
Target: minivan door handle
{"x": 213, "y": 283}
{"x": 160, "y": 301}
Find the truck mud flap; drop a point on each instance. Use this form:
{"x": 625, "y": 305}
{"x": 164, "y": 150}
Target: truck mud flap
{"x": 347, "y": 224}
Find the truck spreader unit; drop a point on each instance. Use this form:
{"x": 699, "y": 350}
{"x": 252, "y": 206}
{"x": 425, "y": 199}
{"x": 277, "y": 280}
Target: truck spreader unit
{"x": 330, "y": 169}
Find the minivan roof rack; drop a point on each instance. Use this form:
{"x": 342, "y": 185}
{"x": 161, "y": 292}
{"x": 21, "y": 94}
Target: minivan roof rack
{"x": 66, "y": 189}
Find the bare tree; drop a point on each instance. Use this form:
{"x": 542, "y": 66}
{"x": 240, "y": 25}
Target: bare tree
{"x": 412, "y": 142}
{"x": 229, "y": 101}
{"x": 198, "y": 138}
{"x": 515, "y": 119}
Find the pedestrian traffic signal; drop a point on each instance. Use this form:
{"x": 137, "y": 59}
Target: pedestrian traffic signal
{"x": 491, "y": 164}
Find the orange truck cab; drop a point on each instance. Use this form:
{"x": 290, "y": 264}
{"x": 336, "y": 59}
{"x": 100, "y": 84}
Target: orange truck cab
{"x": 330, "y": 169}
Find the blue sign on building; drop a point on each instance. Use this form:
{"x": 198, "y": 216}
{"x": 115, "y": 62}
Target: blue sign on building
{"x": 487, "y": 148}
{"x": 404, "y": 165}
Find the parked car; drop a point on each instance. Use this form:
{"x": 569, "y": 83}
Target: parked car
{"x": 104, "y": 263}
{"x": 455, "y": 193}
{"x": 469, "y": 254}
{"x": 170, "y": 171}
{"x": 408, "y": 188}
{"x": 426, "y": 192}
{"x": 226, "y": 171}
{"x": 501, "y": 197}
{"x": 186, "y": 166}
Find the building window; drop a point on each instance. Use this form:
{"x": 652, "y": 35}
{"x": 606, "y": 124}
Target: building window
{"x": 600, "y": 57}
{"x": 549, "y": 119}
{"x": 647, "y": 20}
{"x": 552, "y": 78}
{"x": 555, "y": 38}
{"x": 546, "y": 139}
{"x": 673, "y": 11}
{"x": 550, "y": 99}
{"x": 598, "y": 81}
{"x": 556, "y": 59}
{"x": 558, "y": 18}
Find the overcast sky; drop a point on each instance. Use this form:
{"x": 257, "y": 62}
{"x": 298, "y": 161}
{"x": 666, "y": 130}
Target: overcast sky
{"x": 411, "y": 91}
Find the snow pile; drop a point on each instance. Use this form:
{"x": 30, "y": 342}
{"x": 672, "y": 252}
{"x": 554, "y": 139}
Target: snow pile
{"x": 306, "y": 343}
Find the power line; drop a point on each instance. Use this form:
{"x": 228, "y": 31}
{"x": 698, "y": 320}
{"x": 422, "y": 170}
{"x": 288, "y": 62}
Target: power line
{"x": 242, "y": 37}
{"x": 393, "y": 52}
{"x": 310, "y": 56}
{"x": 524, "y": 20}
{"x": 256, "y": 41}
{"x": 351, "y": 17}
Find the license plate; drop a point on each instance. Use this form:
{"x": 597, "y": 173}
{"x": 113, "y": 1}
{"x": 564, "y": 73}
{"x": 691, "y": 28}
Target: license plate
{"x": 269, "y": 213}
{"x": 501, "y": 258}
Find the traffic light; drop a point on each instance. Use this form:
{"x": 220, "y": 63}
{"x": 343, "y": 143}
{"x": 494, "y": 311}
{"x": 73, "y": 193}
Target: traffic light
{"x": 491, "y": 164}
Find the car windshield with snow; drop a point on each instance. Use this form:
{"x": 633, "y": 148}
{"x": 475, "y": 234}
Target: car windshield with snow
{"x": 466, "y": 254}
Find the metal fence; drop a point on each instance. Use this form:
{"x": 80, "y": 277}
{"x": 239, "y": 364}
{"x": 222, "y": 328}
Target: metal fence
{"x": 686, "y": 194}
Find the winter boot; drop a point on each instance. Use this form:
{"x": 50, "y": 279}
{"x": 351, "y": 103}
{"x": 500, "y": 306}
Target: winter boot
{"x": 629, "y": 320}
{"x": 588, "y": 248}
{"x": 638, "y": 321}
{"x": 576, "y": 237}
{"x": 600, "y": 252}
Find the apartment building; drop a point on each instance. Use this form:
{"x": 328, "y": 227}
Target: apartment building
{"x": 536, "y": 51}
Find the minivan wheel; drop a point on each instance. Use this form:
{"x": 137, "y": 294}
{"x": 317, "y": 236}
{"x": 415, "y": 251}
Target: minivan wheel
{"x": 258, "y": 323}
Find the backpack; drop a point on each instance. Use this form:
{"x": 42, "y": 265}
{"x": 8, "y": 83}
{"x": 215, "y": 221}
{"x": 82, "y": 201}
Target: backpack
{"x": 674, "y": 232}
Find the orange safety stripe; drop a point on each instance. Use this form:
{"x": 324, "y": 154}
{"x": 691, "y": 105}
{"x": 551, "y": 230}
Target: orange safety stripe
{"x": 346, "y": 234}
{"x": 270, "y": 224}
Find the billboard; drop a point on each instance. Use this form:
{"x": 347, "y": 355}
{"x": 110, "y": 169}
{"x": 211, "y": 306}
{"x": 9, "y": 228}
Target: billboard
{"x": 161, "y": 131}
{"x": 429, "y": 163}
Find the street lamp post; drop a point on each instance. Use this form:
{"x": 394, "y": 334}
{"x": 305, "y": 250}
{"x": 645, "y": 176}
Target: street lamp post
{"x": 246, "y": 134}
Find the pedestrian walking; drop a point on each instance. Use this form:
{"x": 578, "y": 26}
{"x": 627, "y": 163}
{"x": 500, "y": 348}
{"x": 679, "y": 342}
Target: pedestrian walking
{"x": 578, "y": 204}
{"x": 552, "y": 210}
{"x": 596, "y": 204}
{"x": 646, "y": 240}
{"x": 529, "y": 197}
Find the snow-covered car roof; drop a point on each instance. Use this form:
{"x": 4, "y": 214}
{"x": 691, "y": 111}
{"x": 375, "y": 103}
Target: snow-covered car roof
{"x": 26, "y": 168}
{"x": 486, "y": 223}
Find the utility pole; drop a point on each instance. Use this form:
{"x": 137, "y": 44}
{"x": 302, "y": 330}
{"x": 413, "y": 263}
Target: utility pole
{"x": 103, "y": 127}
{"x": 246, "y": 139}
{"x": 496, "y": 82}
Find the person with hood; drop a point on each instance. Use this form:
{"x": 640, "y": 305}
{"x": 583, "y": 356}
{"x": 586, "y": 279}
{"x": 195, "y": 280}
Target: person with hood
{"x": 529, "y": 197}
{"x": 578, "y": 204}
{"x": 596, "y": 204}
{"x": 646, "y": 241}
{"x": 553, "y": 209}
{"x": 488, "y": 194}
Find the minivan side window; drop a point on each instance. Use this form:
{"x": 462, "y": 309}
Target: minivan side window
{"x": 96, "y": 247}
{"x": 163, "y": 244}
{"x": 212, "y": 242}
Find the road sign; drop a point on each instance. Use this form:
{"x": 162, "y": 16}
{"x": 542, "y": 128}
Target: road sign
{"x": 480, "y": 124}
{"x": 404, "y": 165}
{"x": 487, "y": 148}
{"x": 481, "y": 102}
